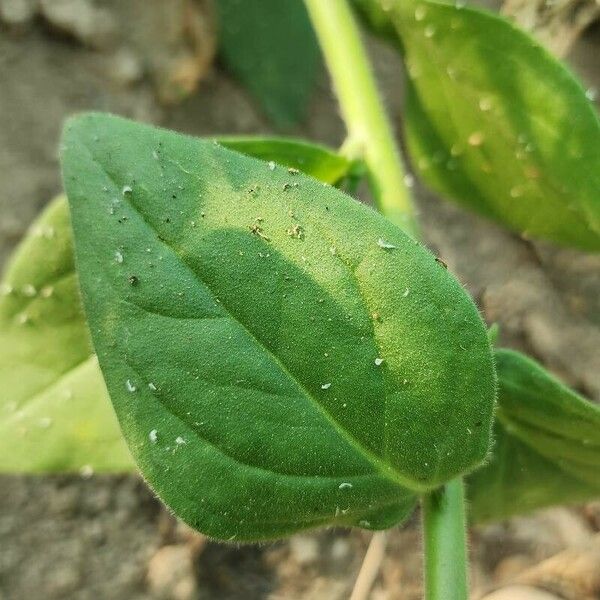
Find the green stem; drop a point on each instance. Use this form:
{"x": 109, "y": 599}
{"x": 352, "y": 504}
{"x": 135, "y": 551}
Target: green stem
{"x": 369, "y": 133}
{"x": 371, "y": 138}
{"x": 445, "y": 543}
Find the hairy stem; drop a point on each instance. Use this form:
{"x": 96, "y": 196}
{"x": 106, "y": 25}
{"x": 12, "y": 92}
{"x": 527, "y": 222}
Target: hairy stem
{"x": 445, "y": 543}
{"x": 370, "y": 135}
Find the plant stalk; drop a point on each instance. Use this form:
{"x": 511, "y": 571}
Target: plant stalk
{"x": 370, "y": 135}
{"x": 445, "y": 543}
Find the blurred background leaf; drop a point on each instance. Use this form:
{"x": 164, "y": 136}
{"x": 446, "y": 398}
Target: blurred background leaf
{"x": 315, "y": 160}
{"x": 271, "y": 48}
{"x": 55, "y": 414}
{"x": 495, "y": 122}
{"x": 547, "y": 448}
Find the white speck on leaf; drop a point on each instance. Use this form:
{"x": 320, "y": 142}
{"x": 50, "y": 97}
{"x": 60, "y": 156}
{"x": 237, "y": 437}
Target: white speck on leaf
{"x": 378, "y": 362}
{"x": 405, "y": 293}
{"x": 45, "y": 231}
{"x": 153, "y": 436}
{"x": 180, "y": 441}
{"x": 29, "y": 290}
{"x": 476, "y": 138}
{"x": 345, "y": 486}
{"x": 152, "y": 386}
{"x": 130, "y": 386}
{"x": 325, "y": 386}
{"x": 271, "y": 165}
{"x": 515, "y": 192}
{"x": 119, "y": 257}
{"x": 485, "y": 104}
{"x": 385, "y": 245}
{"x": 127, "y": 189}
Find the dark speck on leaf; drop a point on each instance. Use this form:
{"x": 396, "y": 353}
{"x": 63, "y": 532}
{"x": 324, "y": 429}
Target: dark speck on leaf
{"x": 257, "y": 230}
{"x": 133, "y": 280}
{"x": 441, "y": 262}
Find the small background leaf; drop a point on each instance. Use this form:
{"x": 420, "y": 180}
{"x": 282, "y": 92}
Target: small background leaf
{"x": 495, "y": 122}
{"x": 315, "y": 160}
{"x": 54, "y": 410}
{"x": 547, "y": 448}
{"x": 270, "y": 46}
{"x": 239, "y": 337}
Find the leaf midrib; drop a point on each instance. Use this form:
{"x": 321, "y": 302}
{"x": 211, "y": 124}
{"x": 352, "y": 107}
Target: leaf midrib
{"x": 386, "y": 470}
{"x": 517, "y": 428}
{"x": 518, "y": 434}
{"x": 333, "y": 478}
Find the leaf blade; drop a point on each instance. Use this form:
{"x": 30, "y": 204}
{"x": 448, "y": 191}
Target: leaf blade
{"x": 300, "y": 375}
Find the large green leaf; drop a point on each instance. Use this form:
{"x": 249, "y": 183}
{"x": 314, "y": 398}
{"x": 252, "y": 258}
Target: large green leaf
{"x": 547, "y": 448}
{"x": 269, "y": 45}
{"x": 55, "y": 414}
{"x": 279, "y": 355}
{"x": 495, "y": 122}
